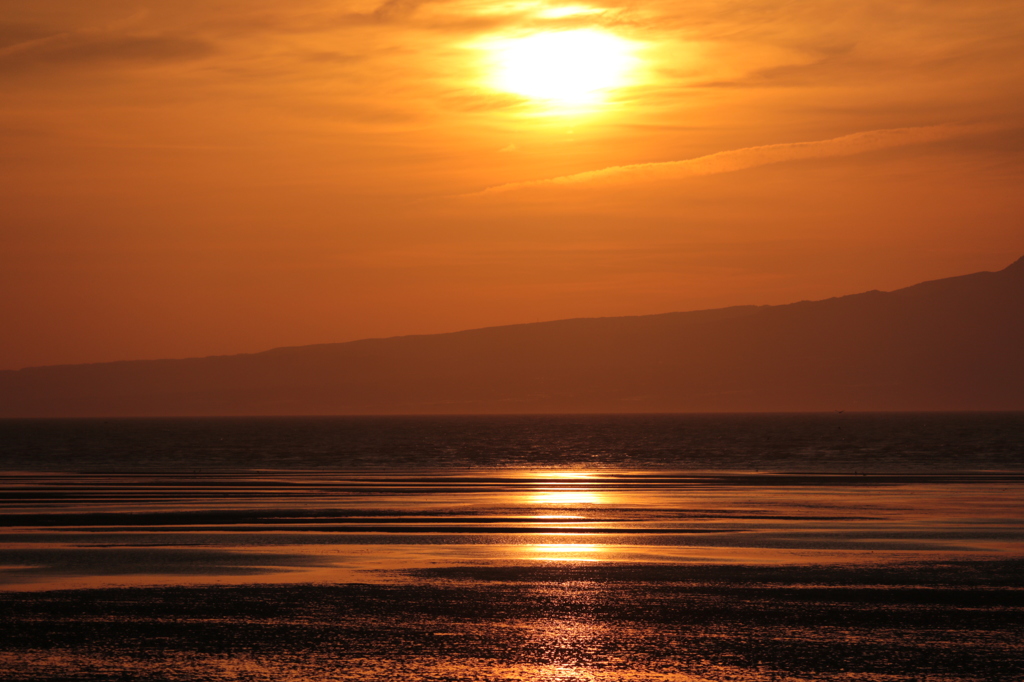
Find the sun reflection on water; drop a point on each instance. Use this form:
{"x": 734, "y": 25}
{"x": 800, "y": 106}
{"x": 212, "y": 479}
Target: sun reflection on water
{"x": 562, "y": 475}
{"x": 566, "y": 489}
{"x": 565, "y": 552}
{"x": 567, "y": 497}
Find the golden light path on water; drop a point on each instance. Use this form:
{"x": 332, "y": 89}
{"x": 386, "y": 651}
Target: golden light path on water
{"x": 566, "y": 497}
{"x": 567, "y": 552}
{"x": 313, "y": 526}
{"x": 581, "y": 493}
{"x": 566, "y": 488}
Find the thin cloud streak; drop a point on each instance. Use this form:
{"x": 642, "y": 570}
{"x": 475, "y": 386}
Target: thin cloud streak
{"x": 749, "y": 157}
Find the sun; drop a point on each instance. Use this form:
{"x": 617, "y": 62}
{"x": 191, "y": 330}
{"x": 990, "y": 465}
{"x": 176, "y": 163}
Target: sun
{"x": 568, "y": 68}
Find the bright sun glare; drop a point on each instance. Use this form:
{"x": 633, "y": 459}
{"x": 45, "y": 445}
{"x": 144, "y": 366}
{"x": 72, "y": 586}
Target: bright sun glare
{"x": 566, "y": 68}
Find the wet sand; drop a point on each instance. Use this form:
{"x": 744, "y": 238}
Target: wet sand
{"x": 564, "y": 621}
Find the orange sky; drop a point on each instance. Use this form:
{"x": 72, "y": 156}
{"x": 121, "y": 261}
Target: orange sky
{"x": 220, "y": 176}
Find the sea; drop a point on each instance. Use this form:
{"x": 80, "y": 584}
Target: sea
{"x": 826, "y": 546}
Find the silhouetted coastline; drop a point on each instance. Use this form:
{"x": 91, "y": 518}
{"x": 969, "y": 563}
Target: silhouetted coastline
{"x": 949, "y": 344}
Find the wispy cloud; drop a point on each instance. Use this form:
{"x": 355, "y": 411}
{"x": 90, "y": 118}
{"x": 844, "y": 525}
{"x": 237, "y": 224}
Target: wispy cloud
{"x": 79, "y": 49}
{"x": 749, "y": 157}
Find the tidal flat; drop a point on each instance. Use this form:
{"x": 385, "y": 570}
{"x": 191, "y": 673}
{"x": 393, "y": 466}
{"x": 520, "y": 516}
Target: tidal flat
{"x": 554, "y": 621}
{"x": 693, "y": 549}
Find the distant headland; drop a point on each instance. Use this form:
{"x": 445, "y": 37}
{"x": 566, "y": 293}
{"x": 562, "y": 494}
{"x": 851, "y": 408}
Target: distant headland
{"x": 948, "y": 344}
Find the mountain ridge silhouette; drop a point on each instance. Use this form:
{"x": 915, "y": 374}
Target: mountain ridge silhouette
{"x": 945, "y": 344}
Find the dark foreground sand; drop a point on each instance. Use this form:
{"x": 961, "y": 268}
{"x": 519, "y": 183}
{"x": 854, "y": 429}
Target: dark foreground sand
{"x": 546, "y": 621}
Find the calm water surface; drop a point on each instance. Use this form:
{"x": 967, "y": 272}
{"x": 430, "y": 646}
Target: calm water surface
{"x": 585, "y": 547}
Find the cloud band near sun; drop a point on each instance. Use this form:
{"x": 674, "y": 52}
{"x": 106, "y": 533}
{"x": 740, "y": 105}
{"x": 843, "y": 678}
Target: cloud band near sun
{"x": 748, "y": 157}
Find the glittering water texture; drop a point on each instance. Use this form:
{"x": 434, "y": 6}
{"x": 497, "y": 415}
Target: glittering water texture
{"x": 867, "y": 547}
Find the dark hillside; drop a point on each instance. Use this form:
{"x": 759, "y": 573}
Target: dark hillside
{"x": 950, "y": 344}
